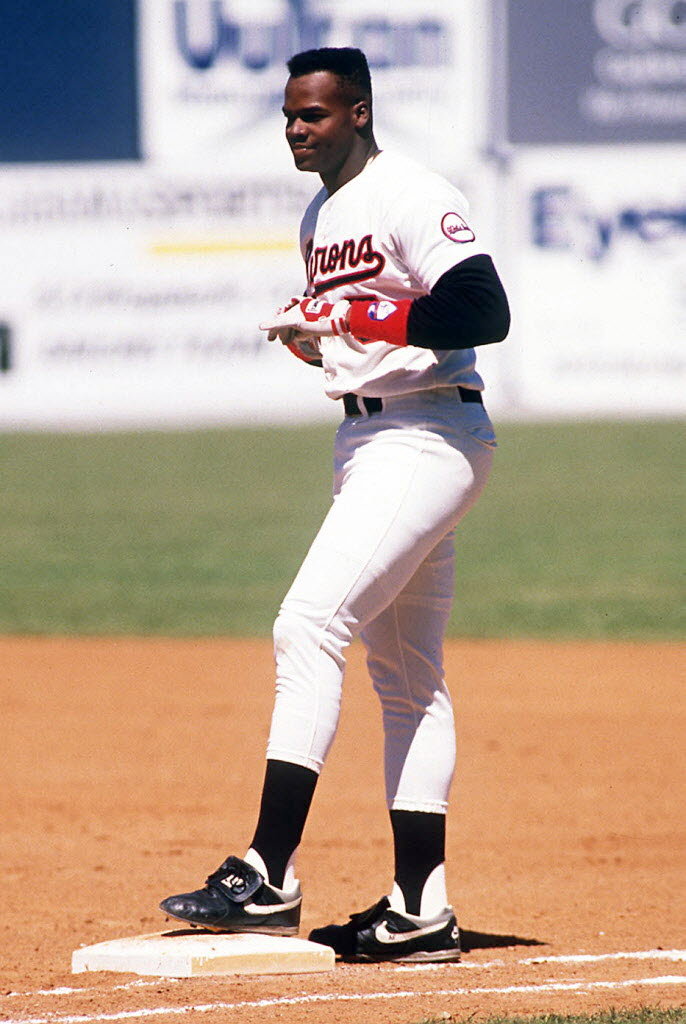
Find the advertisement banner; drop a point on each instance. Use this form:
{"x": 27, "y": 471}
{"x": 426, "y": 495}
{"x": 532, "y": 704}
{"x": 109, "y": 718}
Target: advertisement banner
{"x": 213, "y": 74}
{"x": 599, "y": 279}
{"x": 133, "y": 297}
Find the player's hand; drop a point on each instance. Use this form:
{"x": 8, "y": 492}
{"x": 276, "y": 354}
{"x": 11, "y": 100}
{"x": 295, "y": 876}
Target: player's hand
{"x": 309, "y": 316}
{"x": 304, "y": 346}
{"x": 285, "y": 334}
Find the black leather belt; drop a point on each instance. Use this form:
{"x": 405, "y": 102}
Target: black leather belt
{"x": 351, "y": 401}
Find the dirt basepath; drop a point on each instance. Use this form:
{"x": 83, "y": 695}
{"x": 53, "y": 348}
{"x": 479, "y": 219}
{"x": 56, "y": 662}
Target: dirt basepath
{"x": 132, "y": 767}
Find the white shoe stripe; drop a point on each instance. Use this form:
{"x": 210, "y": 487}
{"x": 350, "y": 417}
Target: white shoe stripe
{"x": 383, "y": 935}
{"x": 256, "y": 909}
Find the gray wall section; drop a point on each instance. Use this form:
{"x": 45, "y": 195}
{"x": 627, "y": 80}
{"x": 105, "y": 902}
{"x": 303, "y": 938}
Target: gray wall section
{"x": 595, "y": 71}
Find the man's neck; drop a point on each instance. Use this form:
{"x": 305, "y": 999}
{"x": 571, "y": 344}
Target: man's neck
{"x": 355, "y": 163}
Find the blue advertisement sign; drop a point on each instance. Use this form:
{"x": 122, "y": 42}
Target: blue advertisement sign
{"x": 68, "y": 81}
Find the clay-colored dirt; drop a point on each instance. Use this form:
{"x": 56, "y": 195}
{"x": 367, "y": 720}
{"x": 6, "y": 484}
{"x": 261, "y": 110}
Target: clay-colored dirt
{"x": 132, "y": 767}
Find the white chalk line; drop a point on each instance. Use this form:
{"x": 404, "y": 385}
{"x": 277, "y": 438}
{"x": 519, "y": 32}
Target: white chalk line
{"x": 674, "y": 955}
{"x": 587, "y": 958}
{"x": 64, "y": 990}
{"x": 581, "y": 987}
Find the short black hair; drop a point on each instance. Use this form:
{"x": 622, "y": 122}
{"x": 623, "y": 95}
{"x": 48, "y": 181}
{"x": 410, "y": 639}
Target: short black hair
{"x": 346, "y": 62}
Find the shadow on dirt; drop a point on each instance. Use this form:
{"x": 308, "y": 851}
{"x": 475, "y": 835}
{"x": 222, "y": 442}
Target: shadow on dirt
{"x": 483, "y": 940}
{"x": 468, "y": 940}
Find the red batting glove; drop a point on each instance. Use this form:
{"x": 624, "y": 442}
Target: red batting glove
{"x": 305, "y": 347}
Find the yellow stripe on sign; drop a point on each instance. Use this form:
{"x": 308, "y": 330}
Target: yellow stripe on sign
{"x": 191, "y": 248}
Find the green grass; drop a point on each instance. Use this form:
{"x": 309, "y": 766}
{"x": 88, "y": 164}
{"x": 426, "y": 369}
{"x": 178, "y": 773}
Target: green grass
{"x": 645, "y": 1015}
{"x": 579, "y": 534}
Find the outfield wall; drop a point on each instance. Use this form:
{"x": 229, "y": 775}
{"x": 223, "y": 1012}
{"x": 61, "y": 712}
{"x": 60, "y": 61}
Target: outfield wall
{"x": 136, "y": 265}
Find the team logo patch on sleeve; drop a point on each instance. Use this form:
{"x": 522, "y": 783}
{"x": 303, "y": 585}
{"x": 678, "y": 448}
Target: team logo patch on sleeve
{"x": 381, "y": 310}
{"x": 456, "y": 228}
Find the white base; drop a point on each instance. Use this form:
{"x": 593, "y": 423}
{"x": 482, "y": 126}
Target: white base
{"x": 190, "y": 953}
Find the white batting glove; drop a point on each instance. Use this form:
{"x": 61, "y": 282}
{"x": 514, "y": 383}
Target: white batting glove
{"x": 309, "y": 316}
{"x": 285, "y": 334}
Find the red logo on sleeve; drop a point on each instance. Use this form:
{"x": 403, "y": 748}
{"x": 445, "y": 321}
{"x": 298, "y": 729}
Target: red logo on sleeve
{"x": 456, "y": 228}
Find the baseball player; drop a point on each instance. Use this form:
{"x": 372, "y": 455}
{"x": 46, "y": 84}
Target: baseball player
{"x": 398, "y": 295}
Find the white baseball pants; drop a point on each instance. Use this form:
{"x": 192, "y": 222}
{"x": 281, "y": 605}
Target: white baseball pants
{"x": 381, "y": 566}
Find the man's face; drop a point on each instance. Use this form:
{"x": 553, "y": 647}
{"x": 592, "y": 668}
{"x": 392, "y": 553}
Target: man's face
{"x": 321, "y": 122}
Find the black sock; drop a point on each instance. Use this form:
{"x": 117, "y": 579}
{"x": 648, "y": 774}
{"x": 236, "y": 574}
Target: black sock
{"x": 286, "y": 798}
{"x": 419, "y": 844}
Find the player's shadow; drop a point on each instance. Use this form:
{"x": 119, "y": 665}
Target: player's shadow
{"x": 193, "y": 930}
{"x": 484, "y": 940}
{"x": 468, "y": 940}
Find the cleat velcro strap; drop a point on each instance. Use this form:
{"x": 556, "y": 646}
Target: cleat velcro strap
{"x": 366, "y": 917}
{"x": 237, "y": 879}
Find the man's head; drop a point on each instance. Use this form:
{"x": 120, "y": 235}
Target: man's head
{"x": 348, "y": 64}
{"x": 328, "y": 110}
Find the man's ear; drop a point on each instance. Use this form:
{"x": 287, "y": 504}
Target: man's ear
{"x": 362, "y": 113}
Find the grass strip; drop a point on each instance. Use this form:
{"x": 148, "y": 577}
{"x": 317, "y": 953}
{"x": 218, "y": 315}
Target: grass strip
{"x": 580, "y": 532}
{"x": 643, "y": 1015}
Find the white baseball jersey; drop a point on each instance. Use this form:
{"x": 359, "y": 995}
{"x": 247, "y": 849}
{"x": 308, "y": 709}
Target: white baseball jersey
{"x": 390, "y": 233}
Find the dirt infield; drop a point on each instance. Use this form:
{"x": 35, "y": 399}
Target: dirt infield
{"x": 132, "y": 767}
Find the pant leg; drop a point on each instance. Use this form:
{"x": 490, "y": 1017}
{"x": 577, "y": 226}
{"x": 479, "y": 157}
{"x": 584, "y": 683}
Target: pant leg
{"x": 405, "y": 659}
{"x": 402, "y": 482}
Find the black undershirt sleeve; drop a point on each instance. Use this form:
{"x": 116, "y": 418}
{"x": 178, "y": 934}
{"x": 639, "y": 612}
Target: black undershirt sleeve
{"x": 466, "y": 307}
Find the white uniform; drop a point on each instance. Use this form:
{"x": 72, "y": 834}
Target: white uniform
{"x": 382, "y": 563}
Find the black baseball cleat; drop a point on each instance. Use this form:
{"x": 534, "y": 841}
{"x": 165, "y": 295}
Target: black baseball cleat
{"x": 384, "y": 934}
{"x": 236, "y": 898}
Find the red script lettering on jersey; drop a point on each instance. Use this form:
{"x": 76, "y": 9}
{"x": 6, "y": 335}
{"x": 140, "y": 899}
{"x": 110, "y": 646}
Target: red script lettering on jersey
{"x": 330, "y": 266}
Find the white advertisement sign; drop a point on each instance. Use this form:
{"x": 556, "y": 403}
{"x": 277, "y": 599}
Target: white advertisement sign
{"x": 131, "y": 298}
{"x": 600, "y": 280}
{"x": 213, "y": 74}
